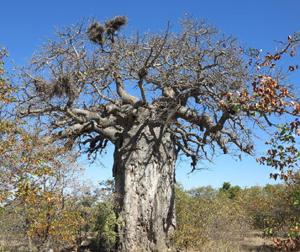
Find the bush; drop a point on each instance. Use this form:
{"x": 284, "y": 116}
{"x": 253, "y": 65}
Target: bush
{"x": 275, "y": 210}
{"x": 284, "y": 223}
{"x": 103, "y": 220}
{"x": 201, "y": 221}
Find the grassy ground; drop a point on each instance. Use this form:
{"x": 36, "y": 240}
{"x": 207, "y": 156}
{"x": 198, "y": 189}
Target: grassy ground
{"x": 252, "y": 241}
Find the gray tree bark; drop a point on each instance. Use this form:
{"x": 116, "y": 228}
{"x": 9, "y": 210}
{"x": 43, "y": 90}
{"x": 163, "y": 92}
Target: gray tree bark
{"x": 144, "y": 171}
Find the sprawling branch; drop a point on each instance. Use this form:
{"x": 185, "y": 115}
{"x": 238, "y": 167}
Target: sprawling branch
{"x": 194, "y": 81}
{"x": 126, "y": 98}
{"x": 202, "y": 120}
{"x": 77, "y": 130}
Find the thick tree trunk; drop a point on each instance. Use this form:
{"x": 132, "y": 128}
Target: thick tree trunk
{"x": 144, "y": 174}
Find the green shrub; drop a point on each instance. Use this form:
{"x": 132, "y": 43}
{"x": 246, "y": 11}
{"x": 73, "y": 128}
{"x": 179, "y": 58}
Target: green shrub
{"x": 201, "y": 220}
{"x": 284, "y": 223}
{"x": 104, "y": 220}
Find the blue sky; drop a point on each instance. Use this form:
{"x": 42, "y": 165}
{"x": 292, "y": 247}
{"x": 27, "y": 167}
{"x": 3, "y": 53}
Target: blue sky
{"x": 23, "y": 24}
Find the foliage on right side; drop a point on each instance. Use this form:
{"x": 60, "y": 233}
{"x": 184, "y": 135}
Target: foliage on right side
{"x": 214, "y": 220}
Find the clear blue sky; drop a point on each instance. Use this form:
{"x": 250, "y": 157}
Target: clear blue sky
{"x": 255, "y": 23}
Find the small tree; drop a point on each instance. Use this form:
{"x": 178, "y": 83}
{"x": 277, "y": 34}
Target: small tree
{"x": 283, "y": 223}
{"x": 154, "y": 97}
{"x": 203, "y": 224}
{"x": 103, "y": 219}
{"x": 35, "y": 197}
{"x": 230, "y": 191}
{"x": 34, "y": 180}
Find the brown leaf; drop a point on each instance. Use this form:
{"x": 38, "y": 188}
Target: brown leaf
{"x": 277, "y": 57}
{"x": 291, "y": 68}
{"x": 292, "y": 53}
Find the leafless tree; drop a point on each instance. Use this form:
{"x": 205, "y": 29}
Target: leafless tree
{"x": 154, "y": 96}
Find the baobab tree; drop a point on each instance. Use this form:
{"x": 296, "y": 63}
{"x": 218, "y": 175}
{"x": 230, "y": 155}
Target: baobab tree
{"x": 155, "y": 97}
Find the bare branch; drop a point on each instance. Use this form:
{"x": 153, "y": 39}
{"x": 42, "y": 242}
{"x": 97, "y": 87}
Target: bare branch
{"x": 126, "y": 98}
{"x": 78, "y": 129}
{"x": 202, "y": 120}
{"x": 182, "y": 78}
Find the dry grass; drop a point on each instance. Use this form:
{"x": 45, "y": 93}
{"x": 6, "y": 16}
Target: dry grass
{"x": 251, "y": 242}
{"x": 254, "y": 242}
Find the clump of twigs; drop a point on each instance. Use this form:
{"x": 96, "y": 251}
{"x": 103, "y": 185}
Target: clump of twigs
{"x": 115, "y": 24}
{"x": 63, "y": 85}
{"x": 96, "y": 31}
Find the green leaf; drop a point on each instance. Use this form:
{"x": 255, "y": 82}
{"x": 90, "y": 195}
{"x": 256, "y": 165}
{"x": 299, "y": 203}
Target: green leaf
{"x": 2, "y": 209}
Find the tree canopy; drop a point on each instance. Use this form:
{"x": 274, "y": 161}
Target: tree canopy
{"x": 193, "y": 80}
